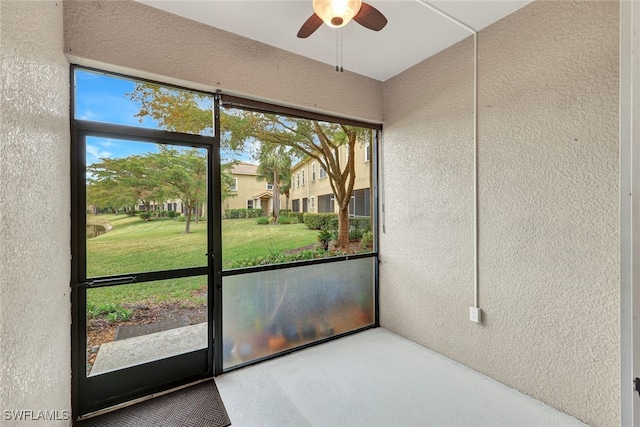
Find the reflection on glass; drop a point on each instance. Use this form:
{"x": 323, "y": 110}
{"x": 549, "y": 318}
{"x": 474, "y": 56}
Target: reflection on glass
{"x": 132, "y": 324}
{"x": 146, "y": 207}
{"x": 272, "y": 311}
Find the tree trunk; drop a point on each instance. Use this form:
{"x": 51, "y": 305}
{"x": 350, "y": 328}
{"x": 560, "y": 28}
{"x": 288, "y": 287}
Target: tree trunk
{"x": 343, "y": 228}
{"x": 187, "y": 226}
{"x": 198, "y": 213}
{"x": 276, "y": 194}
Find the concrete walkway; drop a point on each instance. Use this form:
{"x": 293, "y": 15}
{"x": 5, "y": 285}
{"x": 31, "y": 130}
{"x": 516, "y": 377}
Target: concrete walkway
{"x": 147, "y": 348}
{"x": 375, "y": 378}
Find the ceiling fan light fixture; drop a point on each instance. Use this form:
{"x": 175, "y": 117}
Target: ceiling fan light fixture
{"x": 336, "y": 13}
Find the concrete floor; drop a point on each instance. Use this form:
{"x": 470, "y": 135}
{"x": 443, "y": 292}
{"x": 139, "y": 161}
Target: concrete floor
{"x": 375, "y": 378}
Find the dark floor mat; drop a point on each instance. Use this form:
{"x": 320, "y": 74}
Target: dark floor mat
{"x": 199, "y": 405}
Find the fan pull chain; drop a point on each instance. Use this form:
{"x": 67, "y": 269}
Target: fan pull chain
{"x": 339, "y": 51}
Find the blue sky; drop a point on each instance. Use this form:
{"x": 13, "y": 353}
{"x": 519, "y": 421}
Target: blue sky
{"x": 103, "y": 98}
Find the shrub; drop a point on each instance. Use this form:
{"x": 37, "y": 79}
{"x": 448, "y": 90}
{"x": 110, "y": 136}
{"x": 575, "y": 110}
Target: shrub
{"x": 254, "y": 213}
{"x": 120, "y": 314}
{"x": 242, "y": 213}
{"x": 283, "y": 219}
{"x": 279, "y": 258}
{"x": 324, "y": 236}
{"x": 284, "y": 212}
{"x": 131, "y": 213}
{"x": 181, "y": 218}
{"x": 112, "y": 312}
{"x": 171, "y": 214}
{"x": 145, "y": 216}
{"x": 263, "y": 220}
{"x": 320, "y": 221}
{"x": 298, "y": 215}
{"x": 358, "y": 226}
{"x": 366, "y": 239}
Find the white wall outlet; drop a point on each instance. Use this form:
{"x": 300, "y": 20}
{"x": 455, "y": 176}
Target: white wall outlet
{"x": 475, "y": 314}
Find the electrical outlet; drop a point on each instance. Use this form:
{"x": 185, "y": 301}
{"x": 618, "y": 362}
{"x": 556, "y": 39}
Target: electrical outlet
{"x": 475, "y": 314}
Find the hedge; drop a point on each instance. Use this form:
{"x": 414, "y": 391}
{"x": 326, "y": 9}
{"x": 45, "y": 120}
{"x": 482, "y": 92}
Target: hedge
{"x": 320, "y": 221}
{"x": 242, "y": 213}
{"x": 299, "y": 215}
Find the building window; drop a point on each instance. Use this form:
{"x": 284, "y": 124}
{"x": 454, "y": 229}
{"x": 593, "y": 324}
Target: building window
{"x": 367, "y": 152}
{"x": 234, "y": 186}
{"x": 323, "y": 173}
{"x": 269, "y": 186}
{"x": 313, "y": 171}
{"x": 326, "y": 203}
{"x": 298, "y": 179}
{"x": 359, "y": 205}
{"x": 249, "y": 204}
{"x": 303, "y": 177}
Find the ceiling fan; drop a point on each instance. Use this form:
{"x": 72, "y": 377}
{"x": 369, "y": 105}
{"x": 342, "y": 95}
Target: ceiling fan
{"x": 338, "y": 13}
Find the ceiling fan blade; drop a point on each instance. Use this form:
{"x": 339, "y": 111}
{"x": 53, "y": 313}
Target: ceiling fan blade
{"x": 310, "y": 26}
{"x": 370, "y": 17}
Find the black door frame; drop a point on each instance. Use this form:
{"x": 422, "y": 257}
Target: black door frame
{"x": 90, "y": 394}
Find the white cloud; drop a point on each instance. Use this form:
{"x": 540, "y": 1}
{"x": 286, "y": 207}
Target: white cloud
{"x": 96, "y": 152}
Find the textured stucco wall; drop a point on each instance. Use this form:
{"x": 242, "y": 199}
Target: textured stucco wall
{"x": 35, "y": 365}
{"x": 548, "y": 188}
{"x": 155, "y": 43}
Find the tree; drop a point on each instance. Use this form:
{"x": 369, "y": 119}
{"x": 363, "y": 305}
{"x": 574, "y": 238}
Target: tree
{"x": 189, "y": 112}
{"x": 320, "y": 141}
{"x": 227, "y": 181}
{"x": 184, "y": 176}
{"x": 123, "y": 182}
{"x": 173, "y": 109}
{"x": 275, "y": 167}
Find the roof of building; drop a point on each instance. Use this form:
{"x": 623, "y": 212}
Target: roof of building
{"x": 244, "y": 168}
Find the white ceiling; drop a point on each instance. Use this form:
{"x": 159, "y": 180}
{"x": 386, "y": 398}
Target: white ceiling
{"x": 414, "y": 32}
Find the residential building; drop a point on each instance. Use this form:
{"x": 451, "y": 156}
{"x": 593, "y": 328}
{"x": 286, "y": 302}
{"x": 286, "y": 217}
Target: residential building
{"x": 311, "y": 190}
{"x": 247, "y": 192}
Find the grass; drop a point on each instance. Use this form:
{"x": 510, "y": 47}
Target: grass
{"x": 134, "y": 245}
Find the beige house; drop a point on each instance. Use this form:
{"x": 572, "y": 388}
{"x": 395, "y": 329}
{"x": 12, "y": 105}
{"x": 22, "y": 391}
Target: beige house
{"x": 248, "y": 192}
{"x": 311, "y": 190}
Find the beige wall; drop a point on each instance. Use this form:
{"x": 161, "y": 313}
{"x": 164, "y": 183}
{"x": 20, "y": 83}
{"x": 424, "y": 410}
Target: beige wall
{"x": 248, "y": 188}
{"x": 35, "y": 347}
{"x": 548, "y": 197}
{"x": 548, "y": 185}
{"x": 148, "y": 42}
{"x": 321, "y": 186}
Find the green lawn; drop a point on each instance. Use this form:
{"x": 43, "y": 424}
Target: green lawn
{"x": 134, "y": 245}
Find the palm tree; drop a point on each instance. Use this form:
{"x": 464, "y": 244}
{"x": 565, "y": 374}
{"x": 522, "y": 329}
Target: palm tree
{"x": 275, "y": 167}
